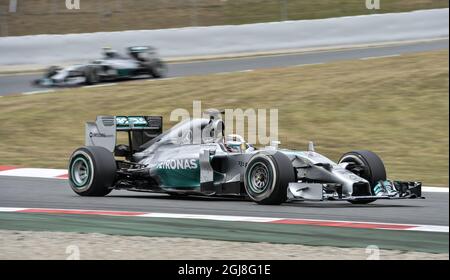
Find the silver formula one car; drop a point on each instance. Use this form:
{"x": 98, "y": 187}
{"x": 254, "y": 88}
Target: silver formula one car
{"x": 139, "y": 61}
{"x": 173, "y": 162}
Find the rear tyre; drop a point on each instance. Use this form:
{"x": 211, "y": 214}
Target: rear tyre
{"x": 91, "y": 76}
{"x": 52, "y": 70}
{"x": 92, "y": 171}
{"x": 267, "y": 177}
{"x": 367, "y": 165}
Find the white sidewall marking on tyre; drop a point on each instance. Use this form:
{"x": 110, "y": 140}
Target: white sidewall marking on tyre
{"x": 91, "y": 165}
{"x": 272, "y": 187}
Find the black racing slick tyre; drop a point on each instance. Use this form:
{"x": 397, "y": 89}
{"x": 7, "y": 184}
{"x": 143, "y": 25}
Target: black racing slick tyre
{"x": 367, "y": 165}
{"x": 91, "y": 76}
{"x": 267, "y": 177}
{"x": 52, "y": 70}
{"x": 158, "y": 69}
{"x": 92, "y": 171}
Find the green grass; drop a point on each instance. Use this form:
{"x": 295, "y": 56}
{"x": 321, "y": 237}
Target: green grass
{"x": 52, "y": 17}
{"x": 397, "y": 107}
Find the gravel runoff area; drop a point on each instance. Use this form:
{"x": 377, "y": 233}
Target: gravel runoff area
{"x": 68, "y": 245}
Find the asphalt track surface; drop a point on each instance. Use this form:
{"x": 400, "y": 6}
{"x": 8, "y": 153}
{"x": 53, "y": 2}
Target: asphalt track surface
{"x": 56, "y": 193}
{"x": 20, "y": 83}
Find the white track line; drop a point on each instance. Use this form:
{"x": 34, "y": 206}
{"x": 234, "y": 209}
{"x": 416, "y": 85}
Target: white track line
{"x": 209, "y": 217}
{"x": 430, "y": 228}
{"x": 37, "y": 92}
{"x": 229, "y": 218}
{"x": 435, "y": 189}
{"x": 308, "y": 64}
{"x": 34, "y": 172}
{"x": 101, "y": 85}
{"x": 378, "y": 57}
{"x": 163, "y": 79}
{"x": 10, "y": 209}
{"x": 166, "y": 79}
{"x": 232, "y": 72}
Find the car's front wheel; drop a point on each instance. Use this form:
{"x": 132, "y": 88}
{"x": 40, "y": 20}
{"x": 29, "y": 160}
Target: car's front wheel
{"x": 267, "y": 177}
{"x": 158, "y": 69}
{"x": 367, "y": 165}
{"x": 92, "y": 171}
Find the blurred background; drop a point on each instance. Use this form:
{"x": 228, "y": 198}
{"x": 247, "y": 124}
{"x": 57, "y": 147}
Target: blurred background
{"x": 20, "y": 17}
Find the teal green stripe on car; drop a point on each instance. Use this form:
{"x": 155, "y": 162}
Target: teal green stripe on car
{"x": 179, "y": 177}
{"x": 125, "y": 72}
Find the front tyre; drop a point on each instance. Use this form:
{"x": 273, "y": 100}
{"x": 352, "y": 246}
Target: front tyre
{"x": 92, "y": 171}
{"x": 158, "y": 69}
{"x": 367, "y": 165}
{"x": 267, "y": 177}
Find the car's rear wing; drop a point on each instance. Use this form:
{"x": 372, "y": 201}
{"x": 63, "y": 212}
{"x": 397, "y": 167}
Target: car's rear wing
{"x": 140, "y": 129}
{"x": 140, "y": 49}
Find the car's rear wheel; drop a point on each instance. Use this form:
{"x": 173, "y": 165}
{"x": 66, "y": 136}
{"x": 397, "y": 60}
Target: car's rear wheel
{"x": 267, "y": 177}
{"x": 91, "y": 76}
{"x": 92, "y": 171}
{"x": 52, "y": 70}
{"x": 367, "y": 165}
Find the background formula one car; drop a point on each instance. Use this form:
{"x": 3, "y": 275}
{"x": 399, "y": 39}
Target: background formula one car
{"x": 113, "y": 66}
{"x": 171, "y": 162}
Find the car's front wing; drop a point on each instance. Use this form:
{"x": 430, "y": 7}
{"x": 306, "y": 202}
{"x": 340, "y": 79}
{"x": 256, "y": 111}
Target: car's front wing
{"x": 331, "y": 191}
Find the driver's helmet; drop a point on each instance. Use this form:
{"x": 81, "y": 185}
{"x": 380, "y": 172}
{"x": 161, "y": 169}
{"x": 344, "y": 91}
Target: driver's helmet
{"x": 235, "y": 143}
{"x": 109, "y": 53}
